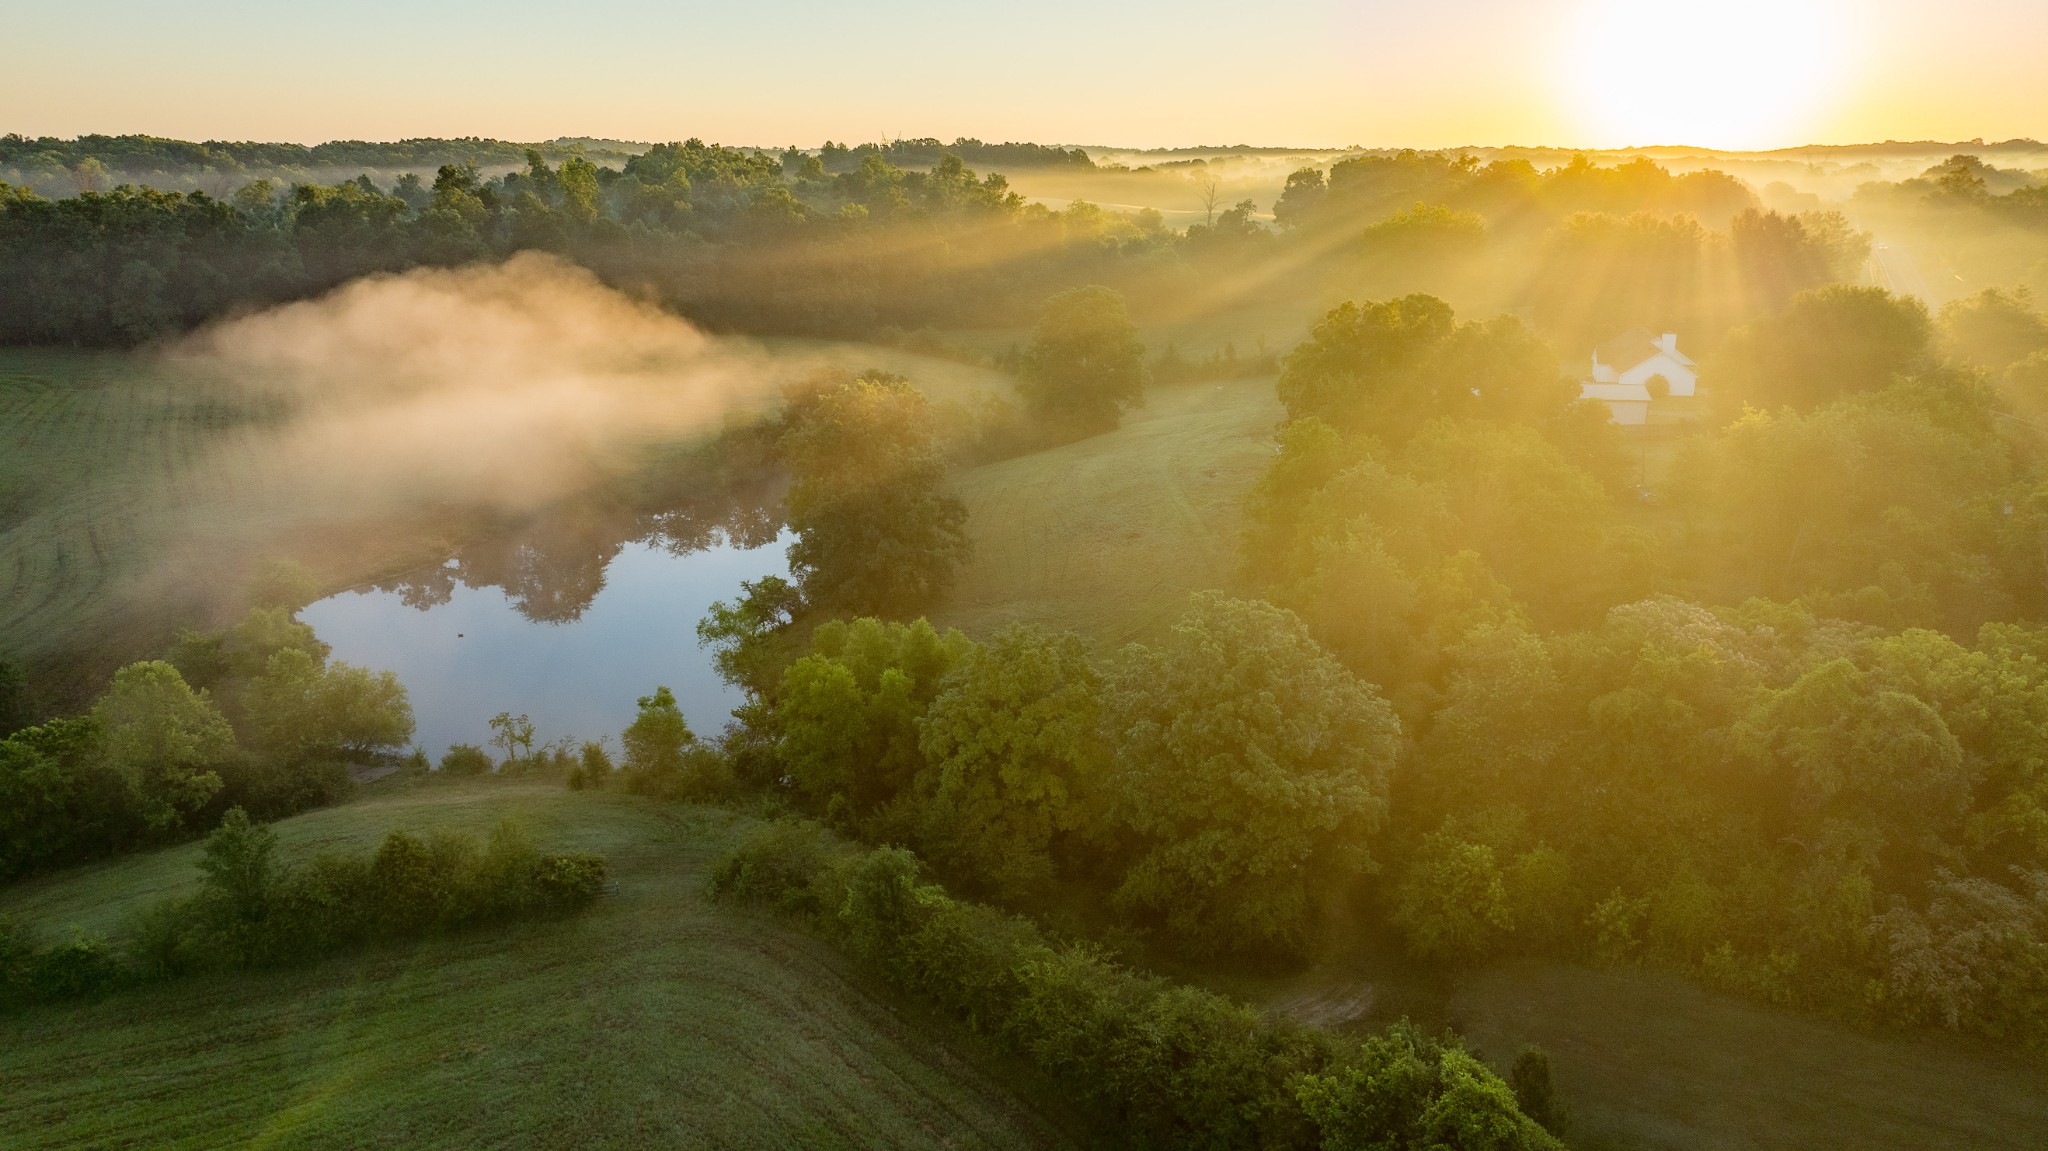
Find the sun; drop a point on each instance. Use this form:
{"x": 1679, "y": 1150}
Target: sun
{"x": 1712, "y": 73}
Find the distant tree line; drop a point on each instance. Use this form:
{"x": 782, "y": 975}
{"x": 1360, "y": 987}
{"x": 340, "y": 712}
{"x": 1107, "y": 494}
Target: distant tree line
{"x": 860, "y": 241}
{"x": 732, "y": 238}
{"x": 135, "y": 158}
{"x": 926, "y": 152}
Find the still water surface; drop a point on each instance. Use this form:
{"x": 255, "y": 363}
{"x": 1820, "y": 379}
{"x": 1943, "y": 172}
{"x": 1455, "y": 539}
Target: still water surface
{"x": 477, "y": 654}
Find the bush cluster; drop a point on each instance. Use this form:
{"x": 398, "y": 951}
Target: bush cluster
{"x": 253, "y": 911}
{"x": 255, "y": 716}
{"x": 1168, "y": 779}
{"x": 1167, "y": 1065}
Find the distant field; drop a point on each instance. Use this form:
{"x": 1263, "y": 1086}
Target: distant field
{"x": 1108, "y": 536}
{"x": 1647, "y": 1061}
{"x": 654, "y": 1019}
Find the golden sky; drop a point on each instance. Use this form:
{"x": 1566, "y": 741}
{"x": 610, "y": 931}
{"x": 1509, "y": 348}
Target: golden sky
{"x": 1591, "y": 73}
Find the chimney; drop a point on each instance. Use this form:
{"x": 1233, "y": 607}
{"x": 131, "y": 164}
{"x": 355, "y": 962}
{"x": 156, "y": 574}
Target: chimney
{"x": 1669, "y": 342}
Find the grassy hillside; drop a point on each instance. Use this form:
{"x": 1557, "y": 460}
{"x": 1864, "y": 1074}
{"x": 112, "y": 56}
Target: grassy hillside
{"x": 653, "y": 1019}
{"x": 1108, "y": 536}
{"x": 95, "y": 451}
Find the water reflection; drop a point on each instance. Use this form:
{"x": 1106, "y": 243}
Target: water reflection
{"x": 568, "y": 619}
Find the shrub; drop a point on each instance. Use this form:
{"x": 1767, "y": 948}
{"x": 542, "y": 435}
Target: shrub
{"x": 33, "y": 973}
{"x": 1403, "y": 1089}
{"x": 777, "y": 866}
{"x": 466, "y": 759}
{"x": 1171, "y": 1066}
{"x": 593, "y": 767}
{"x": 1530, "y": 1079}
{"x": 252, "y": 911}
{"x": 567, "y": 881}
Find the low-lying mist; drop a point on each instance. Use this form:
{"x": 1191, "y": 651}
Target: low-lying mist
{"x": 391, "y": 420}
{"x": 505, "y": 387}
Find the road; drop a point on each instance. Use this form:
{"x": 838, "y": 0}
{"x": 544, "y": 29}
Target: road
{"x": 1896, "y": 272}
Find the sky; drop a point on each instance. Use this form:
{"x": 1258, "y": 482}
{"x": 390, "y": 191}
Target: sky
{"x": 1310, "y": 73}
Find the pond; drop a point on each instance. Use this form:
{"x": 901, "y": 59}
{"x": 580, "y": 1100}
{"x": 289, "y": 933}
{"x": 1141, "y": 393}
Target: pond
{"x": 571, "y": 638}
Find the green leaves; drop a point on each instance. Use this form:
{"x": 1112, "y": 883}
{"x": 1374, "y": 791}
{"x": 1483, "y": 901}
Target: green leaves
{"x": 1085, "y": 365}
{"x": 298, "y": 709}
{"x": 875, "y": 532}
{"x": 845, "y": 716}
{"x": 165, "y": 739}
{"x": 1404, "y": 1091}
{"x": 1012, "y": 747}
{"x": 1249, "y": 773}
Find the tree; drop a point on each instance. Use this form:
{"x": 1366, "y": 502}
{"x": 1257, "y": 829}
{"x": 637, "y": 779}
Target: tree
{"x": 1840, "y": 752}
{"x": 1085, "y": 365}
{"x": 1404, "y": 1090}
{"x": 1993, "y": 329}
{"x": 1250, "y": 773}
{"x": 299, "y": 710}
{"x": 748, "y": 637}
{"x": 1452, "y": 905}
{"x": 1209, "y": 190}
{"x": 1011, "y": 749}
{"x": 1425, "y": 234}
{"x": 845, "y": 716}
{"x": 875, "y": 531}
{"x": 1780, "y": 256}
{"x": 242, "y": 875}
{"x": 1300, "y": 198}
{"x": 14, "y": 706}
{"x": 165, "y": 740}
{"x": 512, "y": 734}
{"x": 656, "y": 739}
{"x": 1387, "y": 367}
{"x": 1828, "y": 343}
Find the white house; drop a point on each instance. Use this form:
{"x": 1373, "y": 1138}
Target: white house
{"x": 1631, "y": 371}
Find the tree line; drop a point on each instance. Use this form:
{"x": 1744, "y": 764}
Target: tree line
{"x": 253, "y": 910}
{"x": 254, "y": 717}
{"x": 1162, "y": 1065}
{"x": 861, "y": 241}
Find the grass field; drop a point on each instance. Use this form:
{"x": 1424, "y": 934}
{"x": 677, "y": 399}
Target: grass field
{"x": 95, "y": 451}
{"x": 1647, "y": 1061}
{"x": 654, "y": 1019}
{"x": 1108, "y": 536}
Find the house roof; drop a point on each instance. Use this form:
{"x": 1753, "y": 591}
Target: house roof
{"x": 1631, "y": 348}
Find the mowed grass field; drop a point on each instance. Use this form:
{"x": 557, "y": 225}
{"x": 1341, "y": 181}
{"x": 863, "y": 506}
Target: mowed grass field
{"x": 653, "y": 1019}
{"x": 1649, "y": 1061}
{"x": 1109, "y": 535}
{"x": 97, "y": 451}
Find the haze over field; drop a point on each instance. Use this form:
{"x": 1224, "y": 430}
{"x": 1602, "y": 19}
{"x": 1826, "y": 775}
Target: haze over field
{"x": 507, "y": 387}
